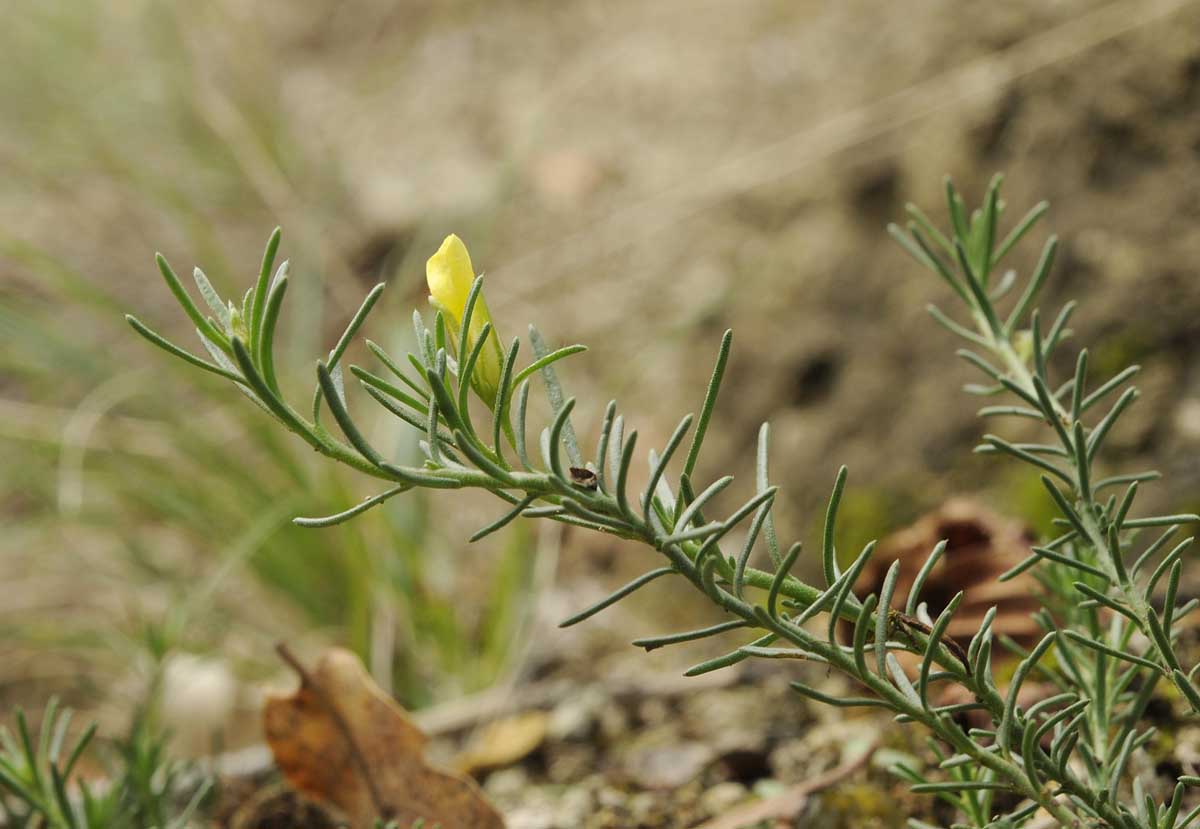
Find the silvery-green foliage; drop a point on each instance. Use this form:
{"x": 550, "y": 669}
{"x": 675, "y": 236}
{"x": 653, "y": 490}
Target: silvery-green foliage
{"x": 1106, "y": 646}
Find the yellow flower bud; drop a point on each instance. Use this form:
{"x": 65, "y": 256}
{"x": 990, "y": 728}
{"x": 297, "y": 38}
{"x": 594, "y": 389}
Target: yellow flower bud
{"x": 1023, "y": 345}
{"x": 237, "y": 324}
{"x": 450, "y": 275}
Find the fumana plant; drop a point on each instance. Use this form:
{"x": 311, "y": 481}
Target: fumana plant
{"x": 1109, "y": 610}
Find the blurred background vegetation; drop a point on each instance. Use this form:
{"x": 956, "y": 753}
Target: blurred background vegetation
{"x": 694, "y": 165}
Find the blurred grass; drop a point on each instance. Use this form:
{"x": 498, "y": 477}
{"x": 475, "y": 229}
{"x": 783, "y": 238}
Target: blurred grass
{"x": 215, "y": 489}
{"x": 145, "y": 491}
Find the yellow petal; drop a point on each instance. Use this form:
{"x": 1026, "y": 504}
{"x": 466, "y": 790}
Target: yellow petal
{"x": 450, "y": 274}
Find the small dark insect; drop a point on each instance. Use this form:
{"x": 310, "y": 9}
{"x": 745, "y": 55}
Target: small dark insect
{"x": 584, "y": 478}
{"x": 913, "y": 624}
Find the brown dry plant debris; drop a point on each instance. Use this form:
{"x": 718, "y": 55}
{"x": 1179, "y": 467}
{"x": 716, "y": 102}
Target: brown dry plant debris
{"x": 980, "y": 546}
{"x": 341, "y": 739}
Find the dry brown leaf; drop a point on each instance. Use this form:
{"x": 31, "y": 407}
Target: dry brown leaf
{"x": 980, "y": 546}
{"x": 340, "y": 739}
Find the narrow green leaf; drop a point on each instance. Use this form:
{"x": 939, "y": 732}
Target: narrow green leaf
{"x": 1107, "y": 601}
{"x": 1010, "y": 411}
{"x": 1004, "y": 731}
{"x": 900, "y": 679}
{"x": 978, "y": 290}
{"x": 1172, "y": 813}
{"x": 991, "y": 213}
{"x": 1082, "y": 462}
{"x": 928, "y": 257}
{"x": 1103, "y": 427}
{"x": 416, "y": 404}
{"x": 1019, "y": 568}
{"x": 185, "y": 301}
{"x": 847, "y": 590}
{"x": 959, "y": 786}
{"x": 174, "y": 350}
{"x": 212, "y": 298}
{"x": 687, "y": 517}
{"x": 828, "y": 552}
{"x": 1002, "y": 445}
{"x": 412, "y": 418}
{"x": 522, "y": 411}
{"x": 931, "y": 649}
{"x": 1032, "y": 288}
{"x": 954, "y": 328}
{"x": 504, "y": 520}
{"x": 500, "y": 420}
{"x": 728, "y": 659}
{"x": 1193, "y": 697}
{"x": 623, "y": 477}
{"x": 1107, "y": 388}
{"x": 1161, "y": 520}
{"x": 1006, "y": 283}
{"x": 928, "y": 227}
{"x": 258, "y": 303}
{"x": 357, "y": 509}
{"x": 466, "y": 373}
{"x": 861, "y": 627}
{"x": 553, "y": 388}
{"x": 464, "y": 327}
{"x": 761, "y": 484}
{"x": 616, "y": 595}
{"x": 837, "y": 702}
{"x": 743, "y": 560}
{"x": 981, "y": 364}
{"x": 826, "y": 598}
{"x": 789, "y": 560}
{"x": 1022, "y": 227}
{"x": 1059, "y": 329}
{"x": 958, "y": 217}
{"x": 270, "y": 321}
{"x": 883, "y": 617}
{"x": 546, "y": 360}
{"x": 1124, "y": 656}
{"x": 1065, "y": 507}
{"x": 980, "y": 637}
{"x": 360, "y": 316}
{"x": 395, "y": 369}
{"x": 603, "y": 474}
{"x": 657, "y": 470}
{"x": 1171, "y": 597}
{"x": 1068, "y": 561}
{"x": 1118, "y": 480}
{"x": 654, "y": 642}
{"x": 1078, "y": 385}
{"x": 918, "y": 584}
{"x": 1051, "y": 412}
{"x": 710, "y": 402}
{"x": 342, "y": 416}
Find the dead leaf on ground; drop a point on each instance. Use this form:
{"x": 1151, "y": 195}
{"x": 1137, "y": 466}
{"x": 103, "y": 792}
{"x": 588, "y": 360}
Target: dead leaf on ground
{"x": 980, "y": 546}
{"x": 340, "y": 739}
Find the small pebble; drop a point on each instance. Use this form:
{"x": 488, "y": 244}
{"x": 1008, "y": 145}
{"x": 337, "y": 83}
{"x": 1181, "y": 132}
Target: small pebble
{"x": 506, "y": 782}
{"x": 722, "y": 797}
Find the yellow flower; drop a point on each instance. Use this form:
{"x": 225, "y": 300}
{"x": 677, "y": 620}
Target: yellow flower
{"x": 450, "y": 276}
